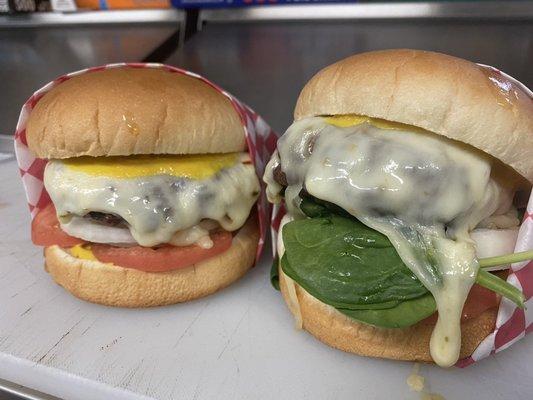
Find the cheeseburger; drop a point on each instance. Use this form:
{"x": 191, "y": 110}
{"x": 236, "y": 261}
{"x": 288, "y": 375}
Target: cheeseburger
{"x": 150, "y": 184}
{"x": 403, "y": 177}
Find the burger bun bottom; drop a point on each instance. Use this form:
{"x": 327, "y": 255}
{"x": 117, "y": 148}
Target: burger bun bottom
{"x": 112, "y": 285}
{"x": 410, "y": 344}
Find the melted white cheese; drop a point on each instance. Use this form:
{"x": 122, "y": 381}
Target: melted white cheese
{"x": 425, "y": 193}
{"x": 198, "y": 234}
{"x": 415, "y": 381}
{"x": 156, "y": 207}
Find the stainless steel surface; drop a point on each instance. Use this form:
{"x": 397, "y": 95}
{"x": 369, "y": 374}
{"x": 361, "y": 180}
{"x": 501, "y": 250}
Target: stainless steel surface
{"x": 12, "y": 391}
{"x": 31, "y": 57}
{"x": 267, "y": 64}
{"x": 466, "y": 9}
{"x": 92, "y": 18}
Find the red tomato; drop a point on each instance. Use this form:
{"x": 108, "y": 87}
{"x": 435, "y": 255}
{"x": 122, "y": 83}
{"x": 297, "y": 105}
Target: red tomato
{"x": 479, "y": 300}
{"x": 161, "y": 259}
{"x": 45, "y": 230}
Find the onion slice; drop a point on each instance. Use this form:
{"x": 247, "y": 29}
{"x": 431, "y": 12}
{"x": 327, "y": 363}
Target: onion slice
{"x": 94, "y": 232}
{"x": 494, "y": 242}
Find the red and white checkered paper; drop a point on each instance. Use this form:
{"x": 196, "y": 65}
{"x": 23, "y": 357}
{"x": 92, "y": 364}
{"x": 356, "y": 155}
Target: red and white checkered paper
{"x": 261, "y": 140}
{"x": 512, "y": 323}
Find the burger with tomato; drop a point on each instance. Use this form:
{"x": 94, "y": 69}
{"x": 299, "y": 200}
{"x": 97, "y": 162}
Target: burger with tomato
{"x": 150, "y": 184}
{"x": 403, "y": 174}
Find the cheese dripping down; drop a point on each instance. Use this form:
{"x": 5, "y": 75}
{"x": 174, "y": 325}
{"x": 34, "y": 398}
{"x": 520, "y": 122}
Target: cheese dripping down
{"x": 157, "y": 196}
{"x": 424, "y": 192}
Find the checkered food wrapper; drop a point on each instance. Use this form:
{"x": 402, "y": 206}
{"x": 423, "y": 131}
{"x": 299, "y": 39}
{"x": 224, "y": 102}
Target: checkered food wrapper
{"x": 512, "y": 323}
{"x": 260, "y": 138}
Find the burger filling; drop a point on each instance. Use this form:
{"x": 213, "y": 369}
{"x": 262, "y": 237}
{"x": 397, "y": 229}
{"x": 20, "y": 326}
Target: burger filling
{"x": 384, "y": 216}
{"x": 152, "y": 200}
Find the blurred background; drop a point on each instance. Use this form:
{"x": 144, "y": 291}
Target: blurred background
{"x": 262, "y": 51}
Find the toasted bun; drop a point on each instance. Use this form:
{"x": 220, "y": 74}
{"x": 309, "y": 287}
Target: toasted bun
{"x": 125, "y": 111}
{"x": 446, "y": 95}
{"x": 409, "y": 344}
{"x": 124, "y": 287}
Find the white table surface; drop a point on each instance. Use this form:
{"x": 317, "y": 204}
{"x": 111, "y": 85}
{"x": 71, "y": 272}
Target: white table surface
{"x": 237, "y": 344}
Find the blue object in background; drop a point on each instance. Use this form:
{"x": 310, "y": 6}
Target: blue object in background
{"x": 244, "y": 3}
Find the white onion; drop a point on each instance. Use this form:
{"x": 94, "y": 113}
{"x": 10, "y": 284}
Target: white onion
{"x": 92, "y": 231}
{"x": 494, "y": 242}
{"x": 95, "y": 232}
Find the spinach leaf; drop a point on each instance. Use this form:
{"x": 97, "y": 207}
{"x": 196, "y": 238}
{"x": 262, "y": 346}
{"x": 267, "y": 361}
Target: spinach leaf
{"x": 498, "y": 285}
{"x": 405, "y": 314}
{"x": 375, "y": 306}
{"x": 402, "y": 315}
{"x": 343, "y": 263}
{"x": 274, "y": 273}
{"x": 313, "y": 208}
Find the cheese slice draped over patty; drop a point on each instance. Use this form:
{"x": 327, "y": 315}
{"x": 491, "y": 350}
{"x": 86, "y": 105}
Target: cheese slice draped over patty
{"x": 424, "y": 192}
{"x": 157, "y": 196}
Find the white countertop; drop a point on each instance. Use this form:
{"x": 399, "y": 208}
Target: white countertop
{"x": 237, "y": 344}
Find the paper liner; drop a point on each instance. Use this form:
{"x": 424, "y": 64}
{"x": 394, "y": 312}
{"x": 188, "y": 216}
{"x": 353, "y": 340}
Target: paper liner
{"x": 512, "y": 323}
{"x": 261, "y": 140}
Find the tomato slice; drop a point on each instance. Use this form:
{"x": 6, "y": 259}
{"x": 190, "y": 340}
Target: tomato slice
{"x": 164, "y": 258}
{"x": 479, "y": 299}
{"x": 45, "y": 230}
